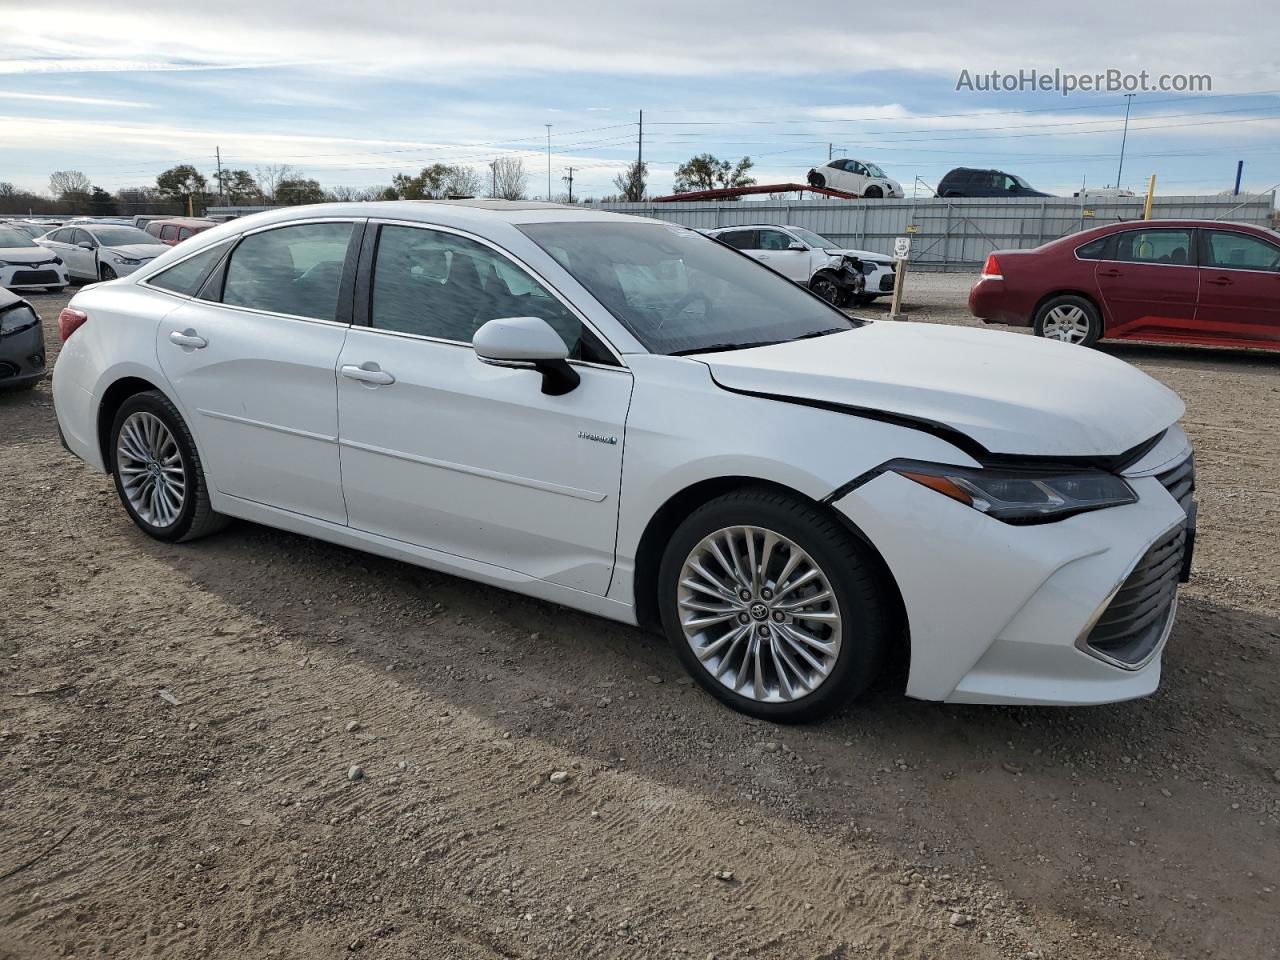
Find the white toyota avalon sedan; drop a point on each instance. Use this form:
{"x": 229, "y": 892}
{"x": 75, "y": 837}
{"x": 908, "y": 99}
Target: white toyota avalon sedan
{"x": 628, "y": 418}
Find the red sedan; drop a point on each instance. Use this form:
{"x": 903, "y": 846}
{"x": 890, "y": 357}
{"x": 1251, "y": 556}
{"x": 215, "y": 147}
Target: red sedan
{"x": 1179, "y": 281}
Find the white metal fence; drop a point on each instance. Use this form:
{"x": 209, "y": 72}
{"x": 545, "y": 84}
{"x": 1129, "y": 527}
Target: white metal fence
{"x": 950, "y": 234}
{"x": 945, "y": 234}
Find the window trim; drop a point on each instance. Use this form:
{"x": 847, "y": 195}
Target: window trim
{"x": 363, "y": 298}
{"x": 231, "y": 243}
{"x": 1193, "y": 252}
{"x": 216, "y": 281}
{"x": 1203, "y": 250}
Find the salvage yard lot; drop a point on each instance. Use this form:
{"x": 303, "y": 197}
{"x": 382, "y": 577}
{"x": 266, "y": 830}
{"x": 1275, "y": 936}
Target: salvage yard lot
{"x": 221, "y": 818}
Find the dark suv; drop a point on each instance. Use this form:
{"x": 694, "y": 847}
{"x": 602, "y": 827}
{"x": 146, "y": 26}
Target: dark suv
{"x": 968, "y": 182}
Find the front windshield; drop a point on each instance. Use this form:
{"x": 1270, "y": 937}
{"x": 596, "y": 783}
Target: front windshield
{"x": 121, "y": 236}
{"x": 680, "y": 292}
{"x": 812, "y": 239}
{"x": 9, "y": 238}
{"x": 1019, "y": 181}
{"x": 874, "y": 170}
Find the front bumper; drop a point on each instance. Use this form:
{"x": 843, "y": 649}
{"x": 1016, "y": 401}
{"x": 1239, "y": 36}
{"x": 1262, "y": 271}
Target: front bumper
{"x": 1003, "y": 614}
{"x": 33, "y": 276}
{"x": 22, "y": 358}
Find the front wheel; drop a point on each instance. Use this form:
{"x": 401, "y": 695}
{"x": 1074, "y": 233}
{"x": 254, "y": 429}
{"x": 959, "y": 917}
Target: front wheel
{"x": 158, "y": 472}
{"x": 827, "y": 288}
{"x": 1069, "y": 319}
{"x": 816, "y": 179}
{"x": 873, "y": 193}
{"x": 772, "y": 606}
{"x": 107, "y": 273}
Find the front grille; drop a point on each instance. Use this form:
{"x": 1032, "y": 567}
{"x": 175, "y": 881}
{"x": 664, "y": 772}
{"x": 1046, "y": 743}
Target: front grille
{"x": 1181, "y": 483}
{"x": 8, "y": 369}
{"x": 1132, "y": 626}
{"x": 35, "y": 278}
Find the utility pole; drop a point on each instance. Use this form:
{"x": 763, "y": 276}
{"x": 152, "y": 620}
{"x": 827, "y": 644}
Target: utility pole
{"x": 829, "y": 150}
{"x": 217, "y": 154}
{"x": 569, "y": 180}
{"x": 493, "y": 169}
{"x": 640, "y": 158}
{"x": 1128, "y": 102}
{"x": 548, "y": 163}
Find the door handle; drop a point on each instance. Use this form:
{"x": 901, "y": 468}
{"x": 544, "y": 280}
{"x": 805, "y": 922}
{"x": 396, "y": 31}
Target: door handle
{"x": 188, "y": 338}
{"x": 368, "y": 372}
{"x": 761, "y": 256}
{"x": 1221, "y": 281}
{"x": 1110, "y": 273}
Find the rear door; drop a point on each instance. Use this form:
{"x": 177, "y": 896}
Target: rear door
{"x": 1239, "y": 287}
{"x": 252, "y": 361}
{"x": 1150, "y": 284}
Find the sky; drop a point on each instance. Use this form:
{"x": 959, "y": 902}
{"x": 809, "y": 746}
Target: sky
{"x": 350, "y": 94}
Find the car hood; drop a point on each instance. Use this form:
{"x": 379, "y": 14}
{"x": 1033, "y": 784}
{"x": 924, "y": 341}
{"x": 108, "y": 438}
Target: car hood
{"x": 139, "y": 251}
{"x": 1011, "y": 393}
{"x": 25, "y": 254}
{"x": 867, "y": 255}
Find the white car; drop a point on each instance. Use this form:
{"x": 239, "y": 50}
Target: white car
{"x": 627, "y": 418}
{"x": 24, "y": 264}
{"x": 811, "y": 260}
{"x": 102, "y": 251}
{"x": 854, "y": 176}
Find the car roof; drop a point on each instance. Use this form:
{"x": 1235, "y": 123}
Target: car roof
{"x": 757, "y": 226}
{"x": 185, "y": 221}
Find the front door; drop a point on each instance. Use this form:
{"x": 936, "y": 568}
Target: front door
{"x": 1150, "y": 285}
{"x": 1239, "y": 287}
{"x": 773, "y": 251}
{"x": 255, "y": 372}
{"x": 82, "y": 262}
{"x": 444, "y": 451}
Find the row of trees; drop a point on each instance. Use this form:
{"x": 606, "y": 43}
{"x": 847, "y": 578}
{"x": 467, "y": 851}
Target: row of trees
{"x": 184, "y": 188}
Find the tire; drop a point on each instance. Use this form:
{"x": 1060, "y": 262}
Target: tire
{"x": 134, "y": 476}
{"x": 828, "y": 289}
{"x": 855, "y": 643}
{"x": 107, "y": 273}
{"x": 816, "y": 179}
{"x": 1069, "y": 319}
{"x": 54, "y": 289}
{"x": 873, "y": 193}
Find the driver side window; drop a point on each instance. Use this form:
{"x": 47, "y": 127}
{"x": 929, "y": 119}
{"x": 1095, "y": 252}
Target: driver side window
{"x": 773, "y": 240}
{"x": 436, "y": 284}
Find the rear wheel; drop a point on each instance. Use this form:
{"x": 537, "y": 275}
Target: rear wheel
{"x": 1069, "y": 319}
{"x": 772, "y": 606}
{"x": 158, "y": 472}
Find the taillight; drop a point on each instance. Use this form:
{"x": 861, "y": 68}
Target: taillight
{"x": 991, "y": 269}
{"x": 69, "y": 321}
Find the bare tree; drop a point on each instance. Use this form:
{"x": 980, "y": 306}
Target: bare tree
{"x": 68, "y": 182}
{"x": 269, "y": 177}
{"x": 509, "y": 179}
{"x": 632, "y": 181}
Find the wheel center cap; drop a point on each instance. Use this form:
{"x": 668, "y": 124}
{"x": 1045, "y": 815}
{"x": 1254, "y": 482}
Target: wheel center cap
{"x": 153, "y": 468}
{"x": 759, "y": 611}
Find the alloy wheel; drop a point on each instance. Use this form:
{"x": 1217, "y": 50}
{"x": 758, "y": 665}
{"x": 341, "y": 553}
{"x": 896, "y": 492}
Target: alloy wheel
{"x": 759, "y": 614}
{"x": 151, "y": 470}
{"x": 1067, "y": 323}
{"x": 827, "y": 290}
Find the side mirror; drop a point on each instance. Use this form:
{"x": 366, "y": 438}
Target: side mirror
{"x": 527, "y": 342}
{"x": 85, "y": 245}
{"x": 796, "y": 245}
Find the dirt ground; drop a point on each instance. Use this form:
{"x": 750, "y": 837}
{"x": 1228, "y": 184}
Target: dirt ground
{"x": 179, "y": 727}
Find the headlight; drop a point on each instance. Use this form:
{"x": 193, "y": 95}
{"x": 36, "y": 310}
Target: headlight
{"x": 58, "y": 261}
{"x": 1021, "y": 495}
{"x": 16, "y": 319}
{"x": 126, "y": 261}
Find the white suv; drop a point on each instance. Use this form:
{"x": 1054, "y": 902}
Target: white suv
{"x": 854, "y": 176}
{"x": 813, "y": 261}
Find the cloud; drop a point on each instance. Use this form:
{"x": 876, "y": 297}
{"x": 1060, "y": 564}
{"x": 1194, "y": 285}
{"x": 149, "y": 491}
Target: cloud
{"x": 67, "y": 98}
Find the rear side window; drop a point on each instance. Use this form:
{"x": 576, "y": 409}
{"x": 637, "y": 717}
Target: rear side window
{"x": 294, "y": 270}
{"x": 168, "y": 233}
{"x": 1240, "y": 251}
{"x": 739, "y": 239}
{"x": 1154, "y": 246}
{"x": 188, "y": 276}
{"x": 1093, "y": 250}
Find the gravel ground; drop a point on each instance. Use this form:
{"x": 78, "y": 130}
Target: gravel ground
{"x": 263, "y": 746}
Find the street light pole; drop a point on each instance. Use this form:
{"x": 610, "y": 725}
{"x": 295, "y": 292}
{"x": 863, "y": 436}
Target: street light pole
{"x": 1128, "y": 102}
{"x": 548, "y": 163}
